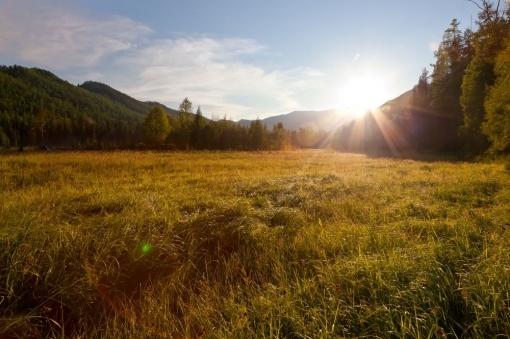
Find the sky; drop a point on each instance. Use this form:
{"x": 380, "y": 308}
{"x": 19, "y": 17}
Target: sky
{"x": 236, "y": 58}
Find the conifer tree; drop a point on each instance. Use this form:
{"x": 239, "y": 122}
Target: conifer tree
{"x": 445, "y": 89}
{"x": 197, "y": 132}
{"x": 497, "y": 124}
{"x": 487, "y": 42}
{"x": 280, "y": 137}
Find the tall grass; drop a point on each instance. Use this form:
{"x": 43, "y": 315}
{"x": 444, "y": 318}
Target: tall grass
{"x": 252, "y": 245}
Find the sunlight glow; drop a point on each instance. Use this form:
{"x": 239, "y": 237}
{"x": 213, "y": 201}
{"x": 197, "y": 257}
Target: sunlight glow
{"x": 361, "y": 93}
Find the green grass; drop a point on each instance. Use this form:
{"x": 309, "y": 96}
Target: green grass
{"x": 309, "y": 244}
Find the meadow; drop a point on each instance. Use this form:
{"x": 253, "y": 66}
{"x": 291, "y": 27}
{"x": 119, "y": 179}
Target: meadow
{"x": 303, "y": 244}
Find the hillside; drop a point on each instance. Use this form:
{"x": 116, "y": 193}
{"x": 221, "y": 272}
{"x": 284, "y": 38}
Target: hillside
{"x": 401, "y": 100}
{"x": 398, "y": 128}
{"x": 37, "y": 108}
{"x": 325, "y": 120}
{"x": 124, "y": 99}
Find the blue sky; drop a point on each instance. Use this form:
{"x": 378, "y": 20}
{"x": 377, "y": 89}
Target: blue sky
{"x": 238, "y": 58}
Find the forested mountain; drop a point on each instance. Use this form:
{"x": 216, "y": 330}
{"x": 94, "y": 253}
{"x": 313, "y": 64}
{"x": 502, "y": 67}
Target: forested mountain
{"x": 124, "y": 99}
{"x": 401, "y": 100}
{"x": 385, "y": 130}
{"x": 324, "y": 120}
{"x": 37, "y": 107}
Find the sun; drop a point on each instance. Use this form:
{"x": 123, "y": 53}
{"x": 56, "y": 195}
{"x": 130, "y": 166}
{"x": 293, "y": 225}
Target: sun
{"x": 362, "y": 93}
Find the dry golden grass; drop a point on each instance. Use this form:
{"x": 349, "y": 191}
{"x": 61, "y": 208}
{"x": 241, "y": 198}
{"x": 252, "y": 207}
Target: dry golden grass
{"x": 311, "y": 244}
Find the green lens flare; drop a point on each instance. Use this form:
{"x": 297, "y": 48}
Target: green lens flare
{"x": 146, "y": 248}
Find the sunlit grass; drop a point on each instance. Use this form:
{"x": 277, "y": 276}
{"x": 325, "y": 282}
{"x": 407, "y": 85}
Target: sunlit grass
{"x": 252, "y": 245}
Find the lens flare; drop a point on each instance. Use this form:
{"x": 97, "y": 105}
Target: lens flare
{"x": 146, "y": 248}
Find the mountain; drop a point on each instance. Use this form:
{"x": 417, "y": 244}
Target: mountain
{"x": 397, "y": 128}
{"x": 123, "y": 99}
{"x": 401, "y": 100}
{"x": 326, "y": 120}
{"x": 37, "y": 107}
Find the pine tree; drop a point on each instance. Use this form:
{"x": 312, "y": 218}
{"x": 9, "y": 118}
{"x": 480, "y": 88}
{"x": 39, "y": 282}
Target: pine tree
{"x": 452, "y": 59}
{"x": 497, "y": 105}
{"x": 487, "y": 42}
{"x": 280, "y": 137}
{"x": 257, "y": 135}
{"x": 197, "y": 132}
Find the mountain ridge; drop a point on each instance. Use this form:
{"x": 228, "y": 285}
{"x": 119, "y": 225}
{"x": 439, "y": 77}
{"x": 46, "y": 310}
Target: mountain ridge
{"x": 322, "y": 119}
{"x": 113, "y": 94}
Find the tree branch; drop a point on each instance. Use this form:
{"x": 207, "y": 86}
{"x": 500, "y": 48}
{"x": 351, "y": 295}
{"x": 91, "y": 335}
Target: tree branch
{"x": 476, "y": 4}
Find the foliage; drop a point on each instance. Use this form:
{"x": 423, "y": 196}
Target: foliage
{"x": 251, "y": 245}
{"x": 37, "y": 108}
{"x": 497, "y": 125}
{"x": 156, "y": 127}
{"x": 123, "y": 99}
{"x": 186, "y": 106}
{"x": 64, "y": 114}
{"x": 487, "y": 41}
{"x": 280, "y": 137}
{"x": 452, "y": 59}
{"x": 258, "y": 135}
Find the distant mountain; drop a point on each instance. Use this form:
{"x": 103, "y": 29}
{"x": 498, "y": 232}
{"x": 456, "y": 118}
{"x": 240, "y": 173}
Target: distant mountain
{"x": 326, "y": 120}
{"x": 400, "y": 102}
{"x": 396, "y": 128}
{"x": 124, "y": 99}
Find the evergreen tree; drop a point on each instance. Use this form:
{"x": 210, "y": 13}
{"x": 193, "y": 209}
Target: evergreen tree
{"x": 487, "y": 41}
{"x": 280, "y": 137}
{"x": 452, "y": 59}
{"x": 420, "y": 97}
{"x": 257, "y": 135}
{"x": 497, "y": 124}
{"x": 422, "y": 118}
{"x": 197, "y": 132}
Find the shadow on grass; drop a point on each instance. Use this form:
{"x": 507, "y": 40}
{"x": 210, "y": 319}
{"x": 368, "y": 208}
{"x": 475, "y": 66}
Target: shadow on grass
{"x": 421, "y": 156}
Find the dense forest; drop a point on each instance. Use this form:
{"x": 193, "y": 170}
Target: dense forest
{"x": 37, "y": 108}
{"x": 461, "y": 107}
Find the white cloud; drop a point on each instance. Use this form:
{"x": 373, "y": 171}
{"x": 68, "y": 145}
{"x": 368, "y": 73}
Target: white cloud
{"x": 211, "y": 73}
{"x": 357, "y": 56}
{"x": 54, "y": 34}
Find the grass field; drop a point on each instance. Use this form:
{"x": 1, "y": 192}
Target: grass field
{"x": 310, "y": 244}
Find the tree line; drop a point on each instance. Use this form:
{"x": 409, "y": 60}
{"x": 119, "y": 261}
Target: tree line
{"x": 462, "y": 106}
{"x": 191, "y": 131}
{"x": 37, "y": 108}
